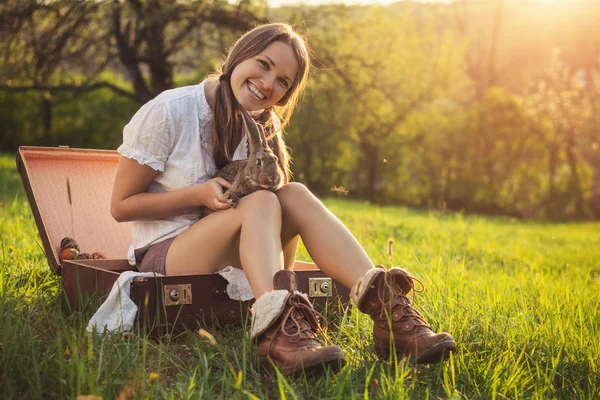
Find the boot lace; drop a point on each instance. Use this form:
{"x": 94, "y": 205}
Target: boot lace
{"x": 296, "y": 324}
{"x": 392, "y": 297}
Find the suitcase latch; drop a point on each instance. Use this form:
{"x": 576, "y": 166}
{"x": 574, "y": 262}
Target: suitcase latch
{"x": 319, "y": 287}
{"x": 176, "y": 295}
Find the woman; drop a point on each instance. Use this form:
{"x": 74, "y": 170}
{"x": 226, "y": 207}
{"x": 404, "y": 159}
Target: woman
{"x": 174, "y": 145}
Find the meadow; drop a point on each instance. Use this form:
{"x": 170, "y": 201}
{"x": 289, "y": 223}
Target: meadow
{"x": 521, "y": 298}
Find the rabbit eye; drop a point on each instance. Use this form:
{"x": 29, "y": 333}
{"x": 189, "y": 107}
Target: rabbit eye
{"x": 259, "y": 162}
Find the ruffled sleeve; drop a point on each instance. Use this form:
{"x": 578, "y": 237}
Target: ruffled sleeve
{"x": 148, "y": 137}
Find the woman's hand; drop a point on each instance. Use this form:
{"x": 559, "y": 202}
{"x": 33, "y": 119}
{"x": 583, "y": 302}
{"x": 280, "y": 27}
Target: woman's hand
{"x": 213, "y": 194}
{"x": 131, "y": 200}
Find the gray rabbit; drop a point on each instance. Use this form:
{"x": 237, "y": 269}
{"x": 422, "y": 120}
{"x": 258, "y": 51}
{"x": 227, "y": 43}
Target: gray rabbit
{"x": 260, "y": 171}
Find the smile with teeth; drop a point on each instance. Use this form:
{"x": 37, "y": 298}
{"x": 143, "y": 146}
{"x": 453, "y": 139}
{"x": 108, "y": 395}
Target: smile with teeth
{"x": 255, "y": 91}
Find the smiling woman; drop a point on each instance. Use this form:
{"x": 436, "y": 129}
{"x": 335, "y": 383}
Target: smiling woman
{"x": 171, "y": 152}
{"x": 262, "y": 81}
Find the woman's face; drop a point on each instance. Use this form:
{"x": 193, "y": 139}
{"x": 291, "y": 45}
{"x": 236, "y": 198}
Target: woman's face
{"x": 261, "y": 81}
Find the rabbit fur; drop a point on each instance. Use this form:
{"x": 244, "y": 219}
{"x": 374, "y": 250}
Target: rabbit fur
{"x": 261, "y": 170}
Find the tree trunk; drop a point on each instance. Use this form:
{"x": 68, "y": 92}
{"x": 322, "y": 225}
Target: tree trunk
{"x": 574, "y": 181}
{"x": 552, "y": 161}
{"x": 161, "y": 71}
{"x": 46, "y": 111}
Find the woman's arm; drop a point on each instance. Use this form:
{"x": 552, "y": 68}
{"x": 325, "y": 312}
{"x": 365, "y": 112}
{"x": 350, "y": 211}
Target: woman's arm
{"x": 130, "y": 200}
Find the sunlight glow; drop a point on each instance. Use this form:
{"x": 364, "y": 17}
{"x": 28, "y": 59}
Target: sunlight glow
{"x": 278, "y": 3}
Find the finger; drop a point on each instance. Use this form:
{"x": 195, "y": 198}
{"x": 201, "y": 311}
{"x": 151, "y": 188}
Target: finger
{"x": 223, "y": 182}
{"x": 222, "y": 205}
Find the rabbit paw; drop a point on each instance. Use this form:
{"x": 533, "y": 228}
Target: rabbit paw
{"x": 231, "y": 198}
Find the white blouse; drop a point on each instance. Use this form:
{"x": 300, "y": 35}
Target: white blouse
{"x": 171, "y": 134}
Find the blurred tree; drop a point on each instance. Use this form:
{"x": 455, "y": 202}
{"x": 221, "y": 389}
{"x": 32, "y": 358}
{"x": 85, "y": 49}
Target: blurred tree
{"x": 321, "y": 149}
{"x": 559, "y": 103}
{"x": 149, "y": 36}
{"x": 504, "y": 155}
{"x": 482, "y": 55}
{"x": 64, "y": 45}
{"x": 60, "y": 46}
{"x": 37, "y": 38}
{"x": 414, "y": 103}
{"x": 385, "y": 66}
{"x": 511, "y": 42}
{"x": 589, "y": 143}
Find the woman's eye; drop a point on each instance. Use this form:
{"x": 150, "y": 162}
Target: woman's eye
{"x": 283, "y": 83}
{"x": 264, "y": 64}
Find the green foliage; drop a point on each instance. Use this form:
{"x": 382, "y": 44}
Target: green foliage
{"x": 412, "y": 103}
{"x": 77, "y": 119}
{"x": 393, "y": 105}
{"x": 321, "y": 143}
{"x": 561, "y": 105}
{"x": 91, "y": 120}
{"x": 382, "y": 66}
{"x": 520, "y": 297}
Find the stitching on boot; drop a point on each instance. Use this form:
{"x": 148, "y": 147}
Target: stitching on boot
{"x": 266, "y": 310}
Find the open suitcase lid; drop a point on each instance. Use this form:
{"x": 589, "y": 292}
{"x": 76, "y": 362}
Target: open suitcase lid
{"x": 69, "y": 192}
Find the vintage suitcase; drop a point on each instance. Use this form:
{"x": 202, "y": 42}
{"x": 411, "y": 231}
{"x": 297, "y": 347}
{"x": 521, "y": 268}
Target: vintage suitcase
{"x": 69, "y": 192}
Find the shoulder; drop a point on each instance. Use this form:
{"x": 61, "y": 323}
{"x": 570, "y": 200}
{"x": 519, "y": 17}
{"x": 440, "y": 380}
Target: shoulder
{"x": 174, "y": 98}
{"x": 166, "y": 105}
{"x": 186, "y": 103}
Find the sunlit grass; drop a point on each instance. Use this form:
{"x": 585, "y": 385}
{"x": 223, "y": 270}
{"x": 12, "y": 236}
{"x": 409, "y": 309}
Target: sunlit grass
{"x": 520, "y": 297}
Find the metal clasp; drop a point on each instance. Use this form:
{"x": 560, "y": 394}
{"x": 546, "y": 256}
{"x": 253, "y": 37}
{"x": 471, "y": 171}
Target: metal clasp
{"x": 176, "y": 295}
{"x": 319, "y": 287}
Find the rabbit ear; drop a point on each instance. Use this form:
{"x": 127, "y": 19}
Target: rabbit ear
{"x": 254, "y": 132}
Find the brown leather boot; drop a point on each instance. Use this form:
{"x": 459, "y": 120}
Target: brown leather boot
{"x": 397, "y": 325}
{"x": 285, "y": 327}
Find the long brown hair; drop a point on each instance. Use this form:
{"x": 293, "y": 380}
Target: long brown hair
{"x": 227, "y": 123}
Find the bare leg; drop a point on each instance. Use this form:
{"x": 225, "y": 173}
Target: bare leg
{"x": 330, "y": 244}
{"x": 339, "y": 255}
{"x": 246, "y": 236}
{"x": 290, "y": 248}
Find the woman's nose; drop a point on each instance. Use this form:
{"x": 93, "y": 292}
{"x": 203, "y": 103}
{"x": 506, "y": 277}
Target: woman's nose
{"x": 268, "y": 81}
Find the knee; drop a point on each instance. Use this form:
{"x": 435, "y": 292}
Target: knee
{"x": 293, "y": 193}
{"x": 261, "y": 201}
{"x": 293, "y": 189}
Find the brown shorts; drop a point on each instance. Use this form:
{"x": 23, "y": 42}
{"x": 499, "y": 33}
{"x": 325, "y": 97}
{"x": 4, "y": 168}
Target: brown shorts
{"x": 153, "y": 258}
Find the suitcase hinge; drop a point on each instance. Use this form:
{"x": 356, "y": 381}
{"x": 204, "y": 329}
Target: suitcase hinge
{"x": 176, "y": 295}
{"x": 319, "y": 287}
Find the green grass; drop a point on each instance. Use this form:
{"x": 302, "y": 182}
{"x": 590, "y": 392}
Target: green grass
{"x": 520, "y": 297}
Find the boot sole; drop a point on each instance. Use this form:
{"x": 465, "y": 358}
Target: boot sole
{"x": 433, "y": 355}
{"x": 334, "y": 363}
